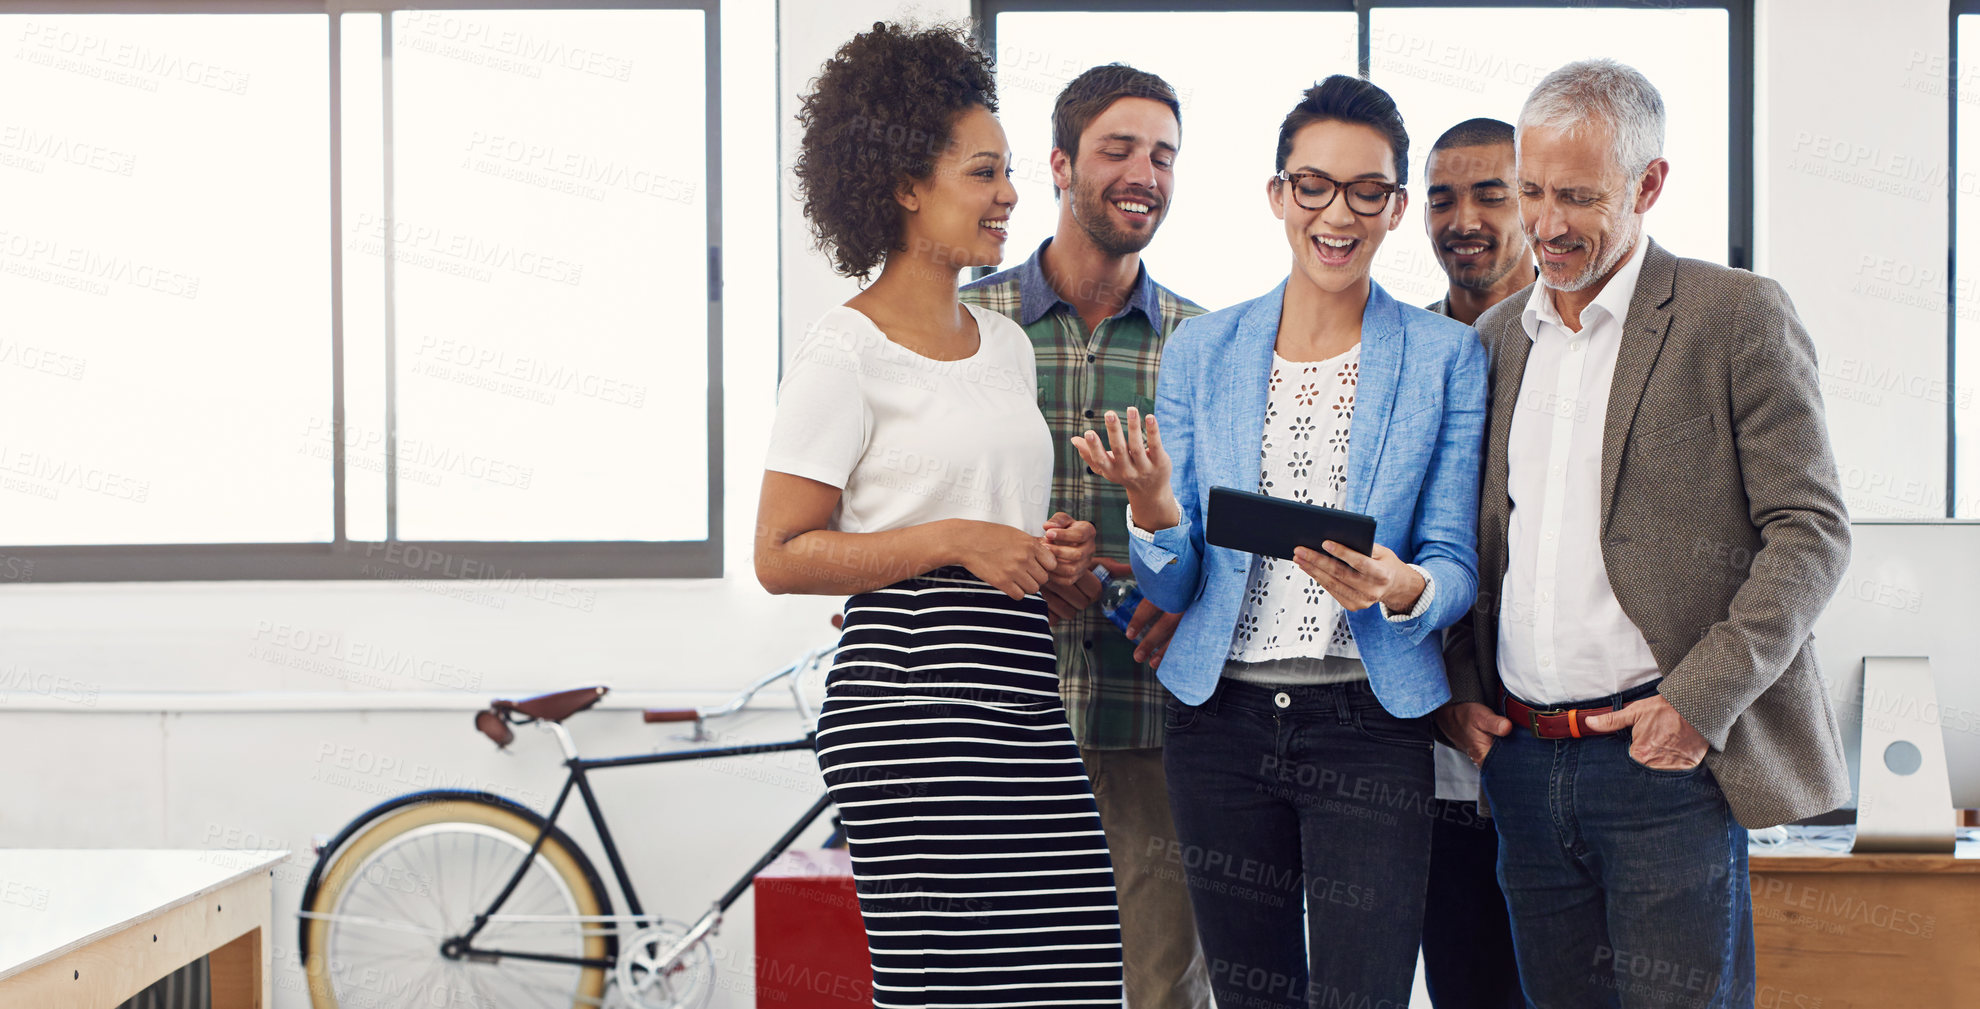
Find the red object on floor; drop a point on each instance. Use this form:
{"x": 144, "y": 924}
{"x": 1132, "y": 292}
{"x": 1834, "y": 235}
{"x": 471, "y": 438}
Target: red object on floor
{"x": 810, "y": 943}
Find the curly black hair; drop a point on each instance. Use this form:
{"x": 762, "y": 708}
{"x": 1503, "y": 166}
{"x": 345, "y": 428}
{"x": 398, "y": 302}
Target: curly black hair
{"x": 878, "y": 115}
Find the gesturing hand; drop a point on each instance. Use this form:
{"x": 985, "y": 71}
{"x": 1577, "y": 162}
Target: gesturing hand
{"x": 1132, "y": 457}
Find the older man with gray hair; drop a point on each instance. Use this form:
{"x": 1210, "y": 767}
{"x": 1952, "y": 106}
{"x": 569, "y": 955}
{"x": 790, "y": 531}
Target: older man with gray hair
{"x": 1660, "y": 523}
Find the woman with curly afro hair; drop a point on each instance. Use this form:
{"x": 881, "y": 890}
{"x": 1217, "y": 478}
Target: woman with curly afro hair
{"x": 910, "y": 466}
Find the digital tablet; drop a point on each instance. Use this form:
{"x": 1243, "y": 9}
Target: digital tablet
{"x": 1273, "y": 526}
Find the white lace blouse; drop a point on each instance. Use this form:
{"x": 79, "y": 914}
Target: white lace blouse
{"x": 1309, "y": 408}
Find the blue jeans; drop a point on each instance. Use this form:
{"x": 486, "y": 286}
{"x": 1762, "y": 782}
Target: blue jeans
{"x": 1303, "y": 825}
{"x": 1627, "y": 885}
{"x": 1467, "y": 939}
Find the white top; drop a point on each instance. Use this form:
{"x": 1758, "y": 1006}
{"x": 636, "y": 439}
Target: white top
{"x": 1562, "y": 635}
{"x": 1309, "y": 407}
{"x": 908, "y": 439}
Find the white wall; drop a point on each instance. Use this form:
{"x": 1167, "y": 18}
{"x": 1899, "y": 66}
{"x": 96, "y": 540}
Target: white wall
{"x": 1851, "y": 218}
{"x": 811, "y": 33}
{"x": 1851, "y": 154}
{"x": 84, "y": 770}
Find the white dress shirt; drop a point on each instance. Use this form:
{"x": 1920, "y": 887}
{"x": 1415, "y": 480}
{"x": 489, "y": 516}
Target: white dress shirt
{"x": 1562, "y": 634}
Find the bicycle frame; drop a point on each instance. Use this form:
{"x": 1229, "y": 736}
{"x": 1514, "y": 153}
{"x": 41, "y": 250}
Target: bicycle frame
{"x": 462, "y": 946}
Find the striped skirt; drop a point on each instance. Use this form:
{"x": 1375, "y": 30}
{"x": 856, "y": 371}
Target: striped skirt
{"x": 982, "y": 871}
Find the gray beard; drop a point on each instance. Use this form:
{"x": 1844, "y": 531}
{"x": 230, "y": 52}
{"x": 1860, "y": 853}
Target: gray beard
{"x": 1601, "y": 268}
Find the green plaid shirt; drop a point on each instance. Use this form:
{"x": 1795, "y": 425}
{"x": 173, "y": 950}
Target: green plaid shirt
{"x": 1112, "y": 701}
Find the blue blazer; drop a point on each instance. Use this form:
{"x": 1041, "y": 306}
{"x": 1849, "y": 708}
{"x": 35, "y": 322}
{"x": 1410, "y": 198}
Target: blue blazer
{"x": 1413, "y": 463}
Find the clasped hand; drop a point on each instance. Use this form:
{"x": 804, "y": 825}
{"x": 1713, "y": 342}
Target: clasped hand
{"x": 1019, "y": 564}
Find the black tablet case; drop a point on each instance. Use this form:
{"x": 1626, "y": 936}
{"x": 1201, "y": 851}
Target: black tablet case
{"x": 1255, "y": 523}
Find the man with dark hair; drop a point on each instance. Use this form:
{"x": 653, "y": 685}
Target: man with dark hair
{"x": 1097, "y": 323}
{"x": 1473, "y": 223}
{"x": 1473, "y": 218}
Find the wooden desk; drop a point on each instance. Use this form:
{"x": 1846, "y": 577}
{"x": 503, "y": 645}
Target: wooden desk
{"x": 1867, "y": 931}
{"x": 91, "y": 928}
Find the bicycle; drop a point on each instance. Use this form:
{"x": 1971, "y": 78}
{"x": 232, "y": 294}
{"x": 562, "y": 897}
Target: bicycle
{"x": 478, "y": 893}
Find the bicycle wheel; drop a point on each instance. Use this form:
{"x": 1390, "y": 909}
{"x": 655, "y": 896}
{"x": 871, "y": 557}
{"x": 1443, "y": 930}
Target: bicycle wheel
{"x": 414, "y": 873}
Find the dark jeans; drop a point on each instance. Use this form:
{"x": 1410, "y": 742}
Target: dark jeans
{"x": 1627, "y": 885}
{"x": 1467, "y": 938}
{"x": 1303, "y": 820}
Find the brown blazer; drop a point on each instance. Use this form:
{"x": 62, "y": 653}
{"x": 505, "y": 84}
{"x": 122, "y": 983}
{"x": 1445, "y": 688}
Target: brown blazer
{"x": 1723, "y": 527}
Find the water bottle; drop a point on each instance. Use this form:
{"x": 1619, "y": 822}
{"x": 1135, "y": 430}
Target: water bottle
{"x": 1119, "y": 597}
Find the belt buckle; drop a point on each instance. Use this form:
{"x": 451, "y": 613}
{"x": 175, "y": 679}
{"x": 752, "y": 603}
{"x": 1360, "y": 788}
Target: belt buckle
{"x": 1533, "y": 716}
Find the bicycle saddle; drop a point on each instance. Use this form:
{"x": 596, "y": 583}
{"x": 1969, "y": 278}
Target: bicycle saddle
{"x": 555, "y": 707}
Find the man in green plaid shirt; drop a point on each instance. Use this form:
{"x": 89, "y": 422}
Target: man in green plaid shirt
{"x": 1097, "y": 323}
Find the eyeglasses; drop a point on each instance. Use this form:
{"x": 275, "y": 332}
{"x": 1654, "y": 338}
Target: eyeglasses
{"x": 1314, "y": 191}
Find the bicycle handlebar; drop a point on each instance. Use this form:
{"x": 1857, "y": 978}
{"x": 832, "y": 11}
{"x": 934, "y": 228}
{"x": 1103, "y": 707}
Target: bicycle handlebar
{"x": 742, "y": 698}
{"x": 494, "y": 721}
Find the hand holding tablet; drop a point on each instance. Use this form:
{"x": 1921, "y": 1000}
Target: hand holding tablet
{"x": 1361, "y": 575}
{"x": 1257, "y": 524}
{"x": 1364, "y": 574}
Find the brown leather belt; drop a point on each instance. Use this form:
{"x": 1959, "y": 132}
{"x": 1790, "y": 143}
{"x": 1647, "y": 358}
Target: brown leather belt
{"x": 1554, "y": 723}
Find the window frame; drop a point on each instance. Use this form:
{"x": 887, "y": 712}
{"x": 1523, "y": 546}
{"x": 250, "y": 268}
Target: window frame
{"x": 1739, "y": 53}
{"x": 343, "y": 558}
{"x": 1955, "y": 9}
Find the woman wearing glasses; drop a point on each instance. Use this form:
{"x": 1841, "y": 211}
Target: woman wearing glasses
{"x": 1299, "y": 737}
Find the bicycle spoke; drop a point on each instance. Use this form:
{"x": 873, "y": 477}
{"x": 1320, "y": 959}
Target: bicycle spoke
{"x": 443, "y": 890}
{"x": 433, "y": 981}
{"x": 541, "y": 988}
{"x": 474, "y": 870}
{"x": 414, "y": 890}
{"x": 387, "y": 924}
{"x": 386, "y": 895}
{"x": 472, "y": 983}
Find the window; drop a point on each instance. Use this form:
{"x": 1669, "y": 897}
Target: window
{"x": 1238, "y": 73}
{"x": 1220, "y": 243}
{"x": 165, "y": 275}
{"x": 1444, "y": 65}
{"x": 395, "y": 293}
